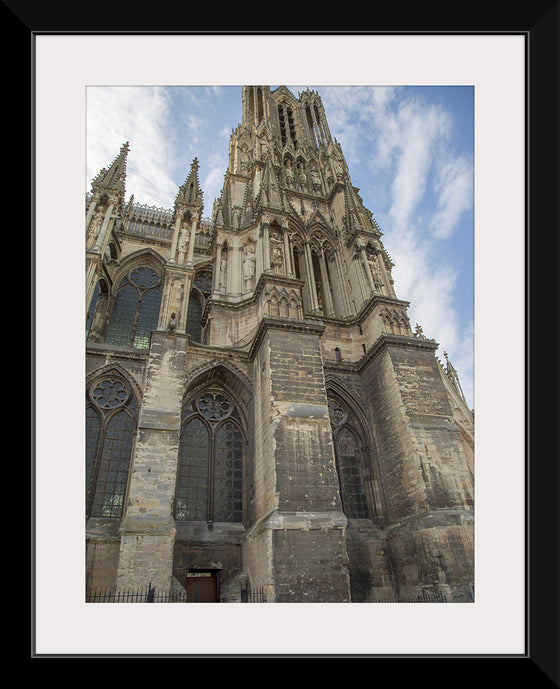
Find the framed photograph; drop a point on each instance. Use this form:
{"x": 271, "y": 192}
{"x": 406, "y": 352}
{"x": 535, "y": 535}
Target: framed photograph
{"x": 440, "y": 137}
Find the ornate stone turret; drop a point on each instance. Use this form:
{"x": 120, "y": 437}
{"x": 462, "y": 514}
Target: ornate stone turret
{"x": 107, "y": 200}
{"x": 187, "y": 215}
{"x": 104, "y": 206}
{"x": 190, "y": 194}
{"x": 188, "y": 209}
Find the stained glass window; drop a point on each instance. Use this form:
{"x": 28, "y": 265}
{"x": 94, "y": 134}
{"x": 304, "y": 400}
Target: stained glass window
{"x": 148, "y": 314}
{"x": 228, "y": 476}
{"x": 136, "y": 309}
{"x": 192, "y": 481}
{"x": 347, "y": 446}
{"x": 204, "y": 282}
{"x": 350, "y": 475}
{"x": 112, "y": 470}
{"x": 210, "y": 477}
{"x": 110, "y": 429}
{"x": 194, "y": 319}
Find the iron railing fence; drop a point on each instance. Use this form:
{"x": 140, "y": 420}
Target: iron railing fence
{"x": 253, "y": 595}
{"x": 425, "y": 597}
{"x": 150, "y": 594}
{"x": 142, "y": 594}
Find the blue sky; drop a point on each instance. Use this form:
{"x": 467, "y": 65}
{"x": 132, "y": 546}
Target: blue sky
{"x": 410, "y": 151}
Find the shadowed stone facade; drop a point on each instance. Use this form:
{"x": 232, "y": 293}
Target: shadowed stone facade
{"x": 260, "y": 415}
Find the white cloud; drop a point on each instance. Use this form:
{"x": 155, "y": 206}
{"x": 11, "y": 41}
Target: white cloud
{"x": 454, "y": 186}
{"x": 138, "y": 115}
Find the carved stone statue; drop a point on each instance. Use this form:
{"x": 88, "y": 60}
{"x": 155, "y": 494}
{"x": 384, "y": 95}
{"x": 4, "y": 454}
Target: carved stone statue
{"x": 276, "y": 252}
{"x": 183, "y": 245}
{"x": 263, "y": 145}
{"x": 249, "y": 266}
{"x": 315, "y": 179}
{"x": 223, "y": 267}
{"x": 289, "y": 173}
{"x": 302, "y": 177}
{"x": 243, "y": 160}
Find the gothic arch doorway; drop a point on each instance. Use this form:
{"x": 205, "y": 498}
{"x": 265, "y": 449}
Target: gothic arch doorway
{"x": 203, "y": 585}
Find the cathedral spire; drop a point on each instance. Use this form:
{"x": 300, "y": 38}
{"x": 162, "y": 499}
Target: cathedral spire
{"x": 111, "y": 181}
{"x": 190, "y": 193}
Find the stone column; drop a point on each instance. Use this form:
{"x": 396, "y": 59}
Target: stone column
{"x": 217, "y": 256}
{"x": 175, "y": 240}
{"x": 265, "y": 248}
{"x": 310, "y": 277}
{"x": 234, "y": 278}
{"x": 341, "y": 286}
{"x": 386, "y": 278}
{"x": 367, "y": 269}
{"x": 100, "y": 241}
{"x": 148, "y": 527}
{"x": 89, "y": 215}
{"x": 192, "y": 240}
{"x": 91, "y": 279}
{"x": 326, "y": 285}
{"x": 287, "y": 253}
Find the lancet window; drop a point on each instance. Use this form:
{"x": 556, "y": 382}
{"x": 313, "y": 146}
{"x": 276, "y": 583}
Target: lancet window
{"x": 194, "y": 317}
{"x": 287, "y": 123}
{"x": 136, "y": 308}
{"x": 111, "y": 419}
{"x": 315, "y": 124}
{"x": 211, "y": 449}
{"x": 349, "y": 453}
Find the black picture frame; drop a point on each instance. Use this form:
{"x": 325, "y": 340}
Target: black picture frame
{"x": 539, "y": 23}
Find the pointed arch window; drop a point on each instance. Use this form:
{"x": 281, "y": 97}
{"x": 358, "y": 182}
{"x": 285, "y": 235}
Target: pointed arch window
{"x": 348, "y": 445}
{"x": 211, "y": 450}
{"x": 136, "y": 309}
{"x": 111, "y": 420}
{"x": 194, "y": 318}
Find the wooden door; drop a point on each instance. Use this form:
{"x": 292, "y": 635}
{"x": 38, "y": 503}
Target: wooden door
{"x": 201, "y": 587}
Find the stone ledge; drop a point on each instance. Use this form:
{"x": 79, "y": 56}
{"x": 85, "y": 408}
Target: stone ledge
{"x": 147, "y": 525}
{"x": 432, "y": 519}
{"x": 303, "y": 521}
{"x": 200, "y": 532}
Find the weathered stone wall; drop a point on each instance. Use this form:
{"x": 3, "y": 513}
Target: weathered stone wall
{"x": 434, "y": 552}
{"x": 402, "y": 481}
{"x": 437, "y": 439}
{"x": 369, "y": 564}
{"x": 311, "y": 566}
{"x": 102, "y": 558}
{"x": 426, "y": 479}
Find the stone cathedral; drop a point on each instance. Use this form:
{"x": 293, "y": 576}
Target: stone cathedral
{"x": 260, "y": 415}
